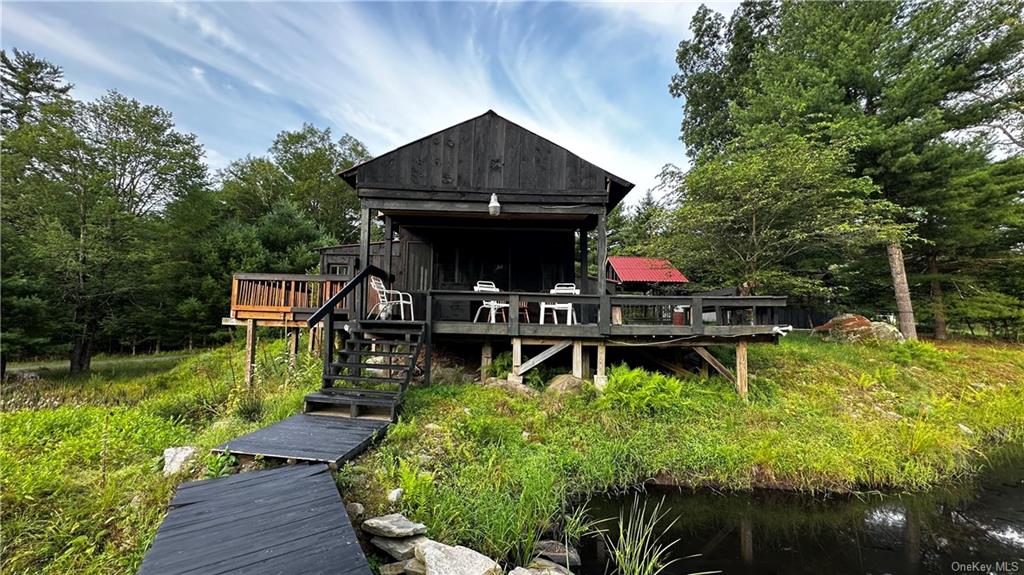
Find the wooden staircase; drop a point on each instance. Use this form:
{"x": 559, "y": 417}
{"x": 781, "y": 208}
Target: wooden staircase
{"x": 367, "y": 376}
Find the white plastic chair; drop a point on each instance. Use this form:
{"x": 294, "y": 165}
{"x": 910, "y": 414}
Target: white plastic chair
{"x": 492, "y": 306}
{"x": 388, "y": 299}
{"x": 570, "y": 311}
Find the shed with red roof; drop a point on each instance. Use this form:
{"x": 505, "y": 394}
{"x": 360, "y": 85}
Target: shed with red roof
{"x": 634, "y": 272}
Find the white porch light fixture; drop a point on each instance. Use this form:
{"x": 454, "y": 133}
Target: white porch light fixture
{"x": 494, "y": 208}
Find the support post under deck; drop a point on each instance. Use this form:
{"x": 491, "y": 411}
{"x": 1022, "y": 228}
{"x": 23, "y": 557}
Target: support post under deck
{"x": 601, "y": 379}
{"x": 741, "y": 368}
{"x": 486, "y": 357}
{"x": 517, "y": 360}
{"x": 250, "y": 351}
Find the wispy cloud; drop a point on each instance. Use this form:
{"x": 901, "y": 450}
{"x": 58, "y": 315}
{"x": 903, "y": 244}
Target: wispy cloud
{"x": 591, "y": 77}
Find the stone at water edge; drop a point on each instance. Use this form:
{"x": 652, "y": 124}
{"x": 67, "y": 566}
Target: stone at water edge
{"x": 540, "y": 566}
{"x": 520, "y": 571}
{"x": 393, "y": 568}
{"x": 415, "y": 567}
{"x": 441, "y": 559}
{"x": 176, "y": 459}
{"x": 393, "y": 525}
{"x": 401, "y": 548}
{"x": 395, "y": 494}
{"x": 355, "y": 509}
{"x": 557, "y": 552}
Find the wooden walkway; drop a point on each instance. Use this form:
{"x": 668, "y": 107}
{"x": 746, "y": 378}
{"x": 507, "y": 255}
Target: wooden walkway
{"x": 314, "y": 438}
{"x": 285, "y": 520}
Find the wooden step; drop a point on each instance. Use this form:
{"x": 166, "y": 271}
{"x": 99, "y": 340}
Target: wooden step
{"x": 411, "y": 324}
{"x": 357, "y": 396}
{"x": 372, "y": 379}
{"x": 365, "y": 341}
{"x": 379, "y": 353}
{"x": 354, "y": 404}
{"x": 365, "y": 365}
{"x": 357, "y": 392}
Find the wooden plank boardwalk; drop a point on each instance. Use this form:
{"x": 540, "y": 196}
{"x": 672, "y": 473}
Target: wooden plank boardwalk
{"x": 285, "y": 520}
{"x": 314, "y": 438}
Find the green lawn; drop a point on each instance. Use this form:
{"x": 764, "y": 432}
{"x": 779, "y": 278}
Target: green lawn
{"x": 81, "y": 488}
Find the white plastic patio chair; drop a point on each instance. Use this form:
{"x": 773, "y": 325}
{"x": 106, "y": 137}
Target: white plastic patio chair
{"x": 387, "y": 299}
{"x": 570, "y": 311}
{"x": 492, "y": 306}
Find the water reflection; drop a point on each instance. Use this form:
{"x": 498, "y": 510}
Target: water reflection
{"x": 974, "y": 528}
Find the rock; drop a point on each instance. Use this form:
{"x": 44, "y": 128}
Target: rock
{"x": 565, "y": 383}
{"x": 857, "y": 328}
{"x": 541, "y": 566}
{"x": 511, "y": 387}
{"x": 355, "y": 510}
{"x": 401, "y": 548}
{"x": 25, "y": 376}
{"x": 520, "y": 571}
{"x": 397, "y": 568}
{"x": 441, "y": 559}
{"x": 393, "y": 525}
{"x": 557, "y": 552}
{"x": 176, "y": 459}
{"x": 395, "y": 494}
{"x": 415, "y": 567}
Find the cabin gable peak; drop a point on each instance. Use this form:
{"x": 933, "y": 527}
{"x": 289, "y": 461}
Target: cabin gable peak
{"x": 483, "y": 155}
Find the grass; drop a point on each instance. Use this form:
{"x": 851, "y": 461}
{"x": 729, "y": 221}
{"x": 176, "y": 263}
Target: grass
{"x": 81, "y": 483}
{"x": 493, "y": 471}
{"x": 82, "y": 490}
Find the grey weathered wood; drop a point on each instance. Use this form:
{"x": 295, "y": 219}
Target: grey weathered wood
{"x": 479, "y": 207}
{"x": 602, "y": 253}
{"x": 542, "y": 356}
{"x": 304, "y": 437}
{"x": 364, "y": 258}
{"x": 285, "y": 520}
{"x": 713, "y": 361}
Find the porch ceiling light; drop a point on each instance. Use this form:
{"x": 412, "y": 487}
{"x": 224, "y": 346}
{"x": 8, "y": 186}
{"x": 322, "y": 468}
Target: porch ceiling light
{"x": 494, "y": 208}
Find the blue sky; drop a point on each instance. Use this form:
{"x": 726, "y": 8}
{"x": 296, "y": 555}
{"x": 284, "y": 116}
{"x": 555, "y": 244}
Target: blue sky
{"x": 590, "y": 76}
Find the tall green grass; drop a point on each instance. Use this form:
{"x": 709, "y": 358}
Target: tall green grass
{"x": 494, "y": 471}
{"x": 81, "y": 483}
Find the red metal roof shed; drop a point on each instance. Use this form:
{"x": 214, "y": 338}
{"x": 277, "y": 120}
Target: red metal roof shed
{"x": 645, "y": 270}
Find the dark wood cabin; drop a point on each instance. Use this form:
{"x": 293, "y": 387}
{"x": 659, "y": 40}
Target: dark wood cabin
{"x": 487, "y": 199}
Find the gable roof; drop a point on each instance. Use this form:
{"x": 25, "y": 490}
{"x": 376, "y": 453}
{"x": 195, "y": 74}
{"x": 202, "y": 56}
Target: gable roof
{"x": 645, "y": 270}
{"x": 488, "y": 154}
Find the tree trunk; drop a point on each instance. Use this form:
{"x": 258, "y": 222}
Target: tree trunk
{"x": 81, "y": 354}
{"x": 904, "y": 308}
{"x": 938, "y": 306}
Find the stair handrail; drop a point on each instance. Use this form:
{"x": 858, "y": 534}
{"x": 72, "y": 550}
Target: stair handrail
{"x": 335, "y": 299}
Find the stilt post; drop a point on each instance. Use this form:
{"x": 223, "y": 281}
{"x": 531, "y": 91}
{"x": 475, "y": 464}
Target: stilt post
{"x": 486, "y": 356}
{"x": 601, "y": 379}
{"x": 577, "y": 358}
{"x": 293, "y": 346}
{"x": 741, "y": 369}
{"x": 517, "y": 360}
{"x": 250, "y": 351}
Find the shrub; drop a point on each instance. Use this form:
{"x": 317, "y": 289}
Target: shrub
{"x": 639, "y": 391}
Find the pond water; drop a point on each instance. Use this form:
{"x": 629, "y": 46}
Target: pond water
{"x": 973, "y": 528}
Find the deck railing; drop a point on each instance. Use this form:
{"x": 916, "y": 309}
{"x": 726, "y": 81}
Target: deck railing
{"x": 597, "y": 315}
{"x": 277, "y": 296}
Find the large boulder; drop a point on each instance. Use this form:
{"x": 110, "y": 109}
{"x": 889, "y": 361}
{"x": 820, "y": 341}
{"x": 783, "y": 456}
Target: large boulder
{"x": 441, "y": 559}
{"x": 565, "y": 383}
{"x": 557, "y": 552}
{"x": 401, "y": 548}
{"x": 853, "y": 328}
{"x": 393, "y": 525}
{"x": 541, "y": 566}
{"x": 177, "y": 459}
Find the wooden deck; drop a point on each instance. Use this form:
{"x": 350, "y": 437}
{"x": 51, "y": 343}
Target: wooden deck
{"x": 313, "y": 438}
{"x": 284, "y": 520}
